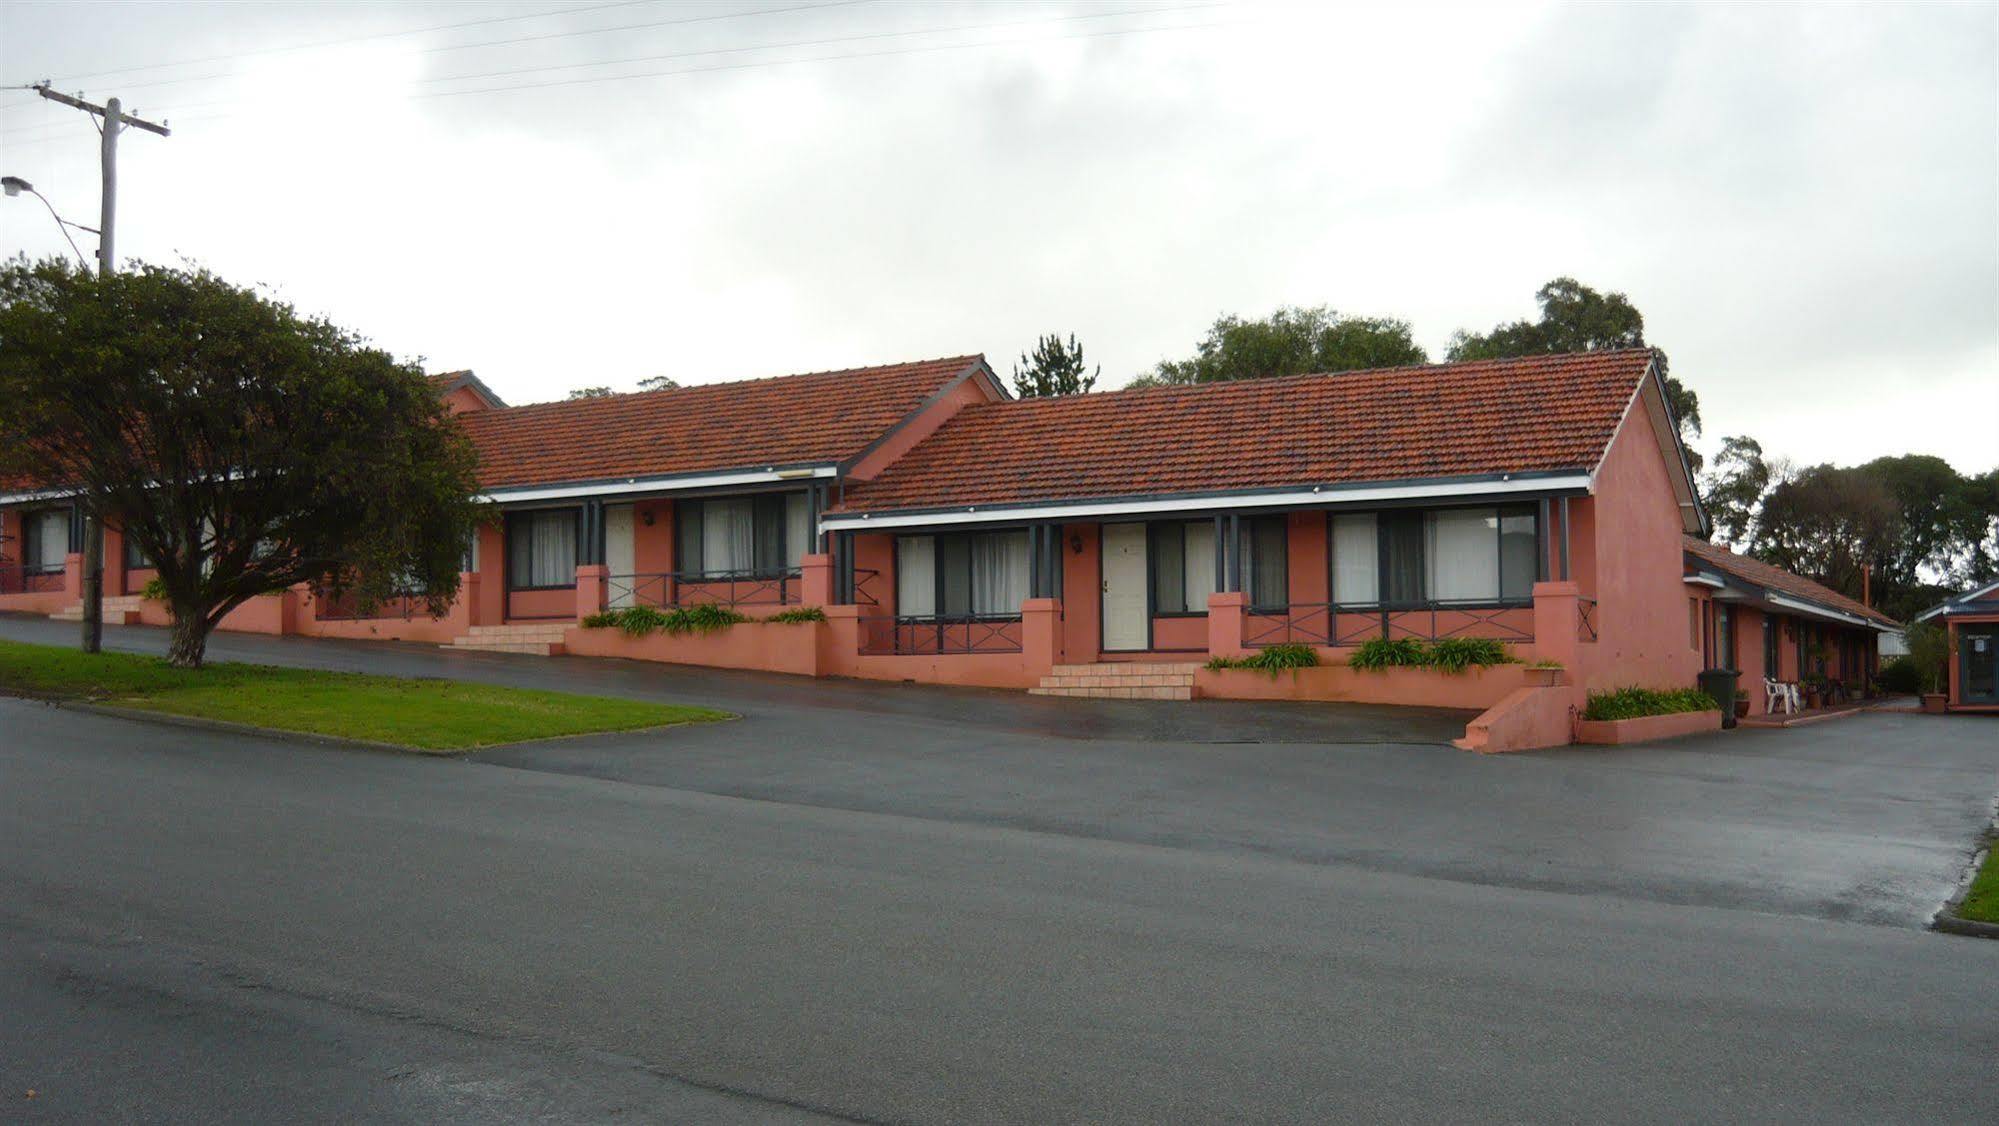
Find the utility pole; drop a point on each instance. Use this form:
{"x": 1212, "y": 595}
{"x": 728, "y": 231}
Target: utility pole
{"x": 114, "y": 122}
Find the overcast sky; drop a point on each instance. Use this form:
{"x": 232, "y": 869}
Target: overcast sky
{"x": 1803, "y": 201}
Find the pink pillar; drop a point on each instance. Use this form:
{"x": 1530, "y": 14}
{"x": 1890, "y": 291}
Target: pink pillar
{"x": 815, "y": 580}
{"x": 590, "y": 581}
{"x": 1556, "y": 626}
{"x": 72, "y": 575}
{"x": 840, "y": 641}
{"x": 114, "y": 563}
{"x": 1041, "y": 635}
{"x": 1226, "y": 611}
{"x": 466, "y": 611}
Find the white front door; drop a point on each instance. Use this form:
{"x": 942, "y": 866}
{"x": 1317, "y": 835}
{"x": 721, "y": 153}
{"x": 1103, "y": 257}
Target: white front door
{"x": 619, "y": 558}
{"x": 1124, "y": 566}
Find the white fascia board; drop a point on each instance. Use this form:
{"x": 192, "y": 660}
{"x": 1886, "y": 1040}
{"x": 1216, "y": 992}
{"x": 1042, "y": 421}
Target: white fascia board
{"x": 30, "y": 498}
{"x": 1705, "y": 580}
{"x": 1802, "y": 607}
{"x": 856, "y": 521}
{"x": 1953, "y": 605}
{"x": 657, "y": 485}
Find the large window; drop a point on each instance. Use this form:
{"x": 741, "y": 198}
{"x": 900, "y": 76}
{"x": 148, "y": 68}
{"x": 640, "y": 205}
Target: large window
{"x": 1771, "y": 629}
{"x": 45, "y": 540}
{"x": 977, "y": 574}
{"x": 541, "y": 548}
{"x": 1724, "y": 637}
{"x": 1183, "y": 565}
{"x": 742, "y": 535}
{"x": 135, "y": 556}
{"x": 1444, "y": 557}
{"x": 1266, "y": 564}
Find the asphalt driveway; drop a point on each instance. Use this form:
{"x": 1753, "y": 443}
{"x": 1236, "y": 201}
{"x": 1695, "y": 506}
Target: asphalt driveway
{"x": 1868, "y": 819}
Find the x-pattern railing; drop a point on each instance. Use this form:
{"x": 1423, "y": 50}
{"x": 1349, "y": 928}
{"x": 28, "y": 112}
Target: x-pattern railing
{"x": 1319, "y": 623}
{"x": 939, "y": 634}
{"x": 1586, "y": 619}
{"x": 18, "y": 579}
{"x": 688, "y": 588}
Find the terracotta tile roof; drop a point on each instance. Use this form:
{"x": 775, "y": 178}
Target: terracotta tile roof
{"x": 1769, "y": 577}
{"x": 750, "y": 424}
{"x": 1524, "y": 415}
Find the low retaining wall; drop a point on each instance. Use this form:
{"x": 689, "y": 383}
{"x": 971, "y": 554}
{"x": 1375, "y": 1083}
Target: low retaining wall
{"x": 1408, "y": 687}
{"x": 1616, "y": 732}
{"x": 1527, "y": 719}
{"x": 790, "y": 647}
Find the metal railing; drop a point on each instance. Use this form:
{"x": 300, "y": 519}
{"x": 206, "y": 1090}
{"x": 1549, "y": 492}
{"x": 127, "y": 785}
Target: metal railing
{"x": 776, "y": 586}
{"x": 1585, "y": 619}
{"x": 18, "y": 579}
{"x": 864, "y": 583}
{"x": 939, "y": 634}
{"x": 1320, "y": 623}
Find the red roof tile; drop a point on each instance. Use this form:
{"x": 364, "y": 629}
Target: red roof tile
{"x": 1533, "y": 414}
{"x": 787, "y": 420}
{"x": 1770, "y": 577}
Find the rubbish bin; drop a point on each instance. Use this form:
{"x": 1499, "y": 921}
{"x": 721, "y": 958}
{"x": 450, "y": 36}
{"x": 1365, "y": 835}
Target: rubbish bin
{"x": 1720, "y": 684}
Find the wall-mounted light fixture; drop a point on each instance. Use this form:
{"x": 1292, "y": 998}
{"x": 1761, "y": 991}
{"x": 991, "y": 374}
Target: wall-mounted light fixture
{"x": 1076, "y": 543}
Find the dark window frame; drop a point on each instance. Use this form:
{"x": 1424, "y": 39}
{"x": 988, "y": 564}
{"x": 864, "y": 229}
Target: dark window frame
{"x": 1155, "y": 534}
{"x": 507, "y": 545}
{"x": 938, "y": 600}
{"x": 1404, "y": 521}
{"x": 767, "y": 515}
{"x": 1246, "y": 569}
{"x": 31, "y": 541}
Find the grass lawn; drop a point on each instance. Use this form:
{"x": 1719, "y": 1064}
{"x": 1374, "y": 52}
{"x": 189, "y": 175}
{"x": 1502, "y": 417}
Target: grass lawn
{"x": 1981, "y": 903}
{"x": 429, "y": 715}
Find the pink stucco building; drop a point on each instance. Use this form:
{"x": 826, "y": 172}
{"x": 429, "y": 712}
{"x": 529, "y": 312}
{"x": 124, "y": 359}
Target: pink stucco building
{"x": 1106, "y": 544}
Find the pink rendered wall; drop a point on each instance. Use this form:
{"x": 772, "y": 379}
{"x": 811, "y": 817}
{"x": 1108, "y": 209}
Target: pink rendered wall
{"x": 921, "y": 426}
{"x": 876, "y": 552}
{"x": 652, "y": 548}
{"x": 1632, "y": 562}
{"x": 464, "y": 399}
{"x": 1309, "y": 568}
{"x": 1082, "y": 594}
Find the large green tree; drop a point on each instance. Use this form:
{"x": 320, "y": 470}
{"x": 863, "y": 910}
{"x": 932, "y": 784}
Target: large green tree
{"x": 242, "y": 447}
{"x": 1291, "y": 341}
{"x": 1055, "y": 367}
{"x": 1576, "y": 318}
{"x": 1917, "y": 525}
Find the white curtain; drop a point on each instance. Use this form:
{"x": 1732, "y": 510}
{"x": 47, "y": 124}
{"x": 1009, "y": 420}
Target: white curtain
{"x": 1463, "y": 553}
{"x": 1356, "y": 561}
{"x": 728, "y": 536}
{"x": 999, "y": 572}
{"x": 51, "y": 539}
{"x": 916, "y": 576}
{"x": 1199, "y": 564}
{"x": 553, "y": 552}
{"x": 797, "y": 528}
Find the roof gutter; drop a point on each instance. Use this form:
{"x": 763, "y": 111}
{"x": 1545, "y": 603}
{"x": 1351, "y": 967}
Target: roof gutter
{"x": 629, "y": 485}
{"x": 1315, "y": 496}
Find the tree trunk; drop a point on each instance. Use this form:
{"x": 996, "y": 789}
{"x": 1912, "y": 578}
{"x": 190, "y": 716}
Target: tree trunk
{"x": 188, "y": 640}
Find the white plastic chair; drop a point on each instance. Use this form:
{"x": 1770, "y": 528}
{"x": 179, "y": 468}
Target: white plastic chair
{"x": 1775, "y": 696}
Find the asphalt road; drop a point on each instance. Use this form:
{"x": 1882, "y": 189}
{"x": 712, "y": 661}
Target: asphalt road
{"x": 205, "y": 926}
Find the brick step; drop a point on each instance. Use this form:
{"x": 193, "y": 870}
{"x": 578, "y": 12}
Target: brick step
{"x": 533, "y": 648}
{"x": 114, "y": 614}
{"x": 521, "y": 629}
{"x": 1145, "y": 692}
{"x": 1131, "y": 668}
{"x": 1099, "y": 680}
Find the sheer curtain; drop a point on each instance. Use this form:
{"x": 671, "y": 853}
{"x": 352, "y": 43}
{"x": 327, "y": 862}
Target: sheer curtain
{"x": 51, "y": 539}
{"x": 916, "y": 576}
{"x": 999, "y": 572}
{"x": 1356, "y": 561}
{"x": 541, "y": 548}
{"x": 728, "y": 536}
{"x": 1463, "y": 551}
{"x": 797, "y": 528}
{"x": 1199, "y": 560}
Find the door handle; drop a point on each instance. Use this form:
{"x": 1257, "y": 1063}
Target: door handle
{"x": 1107, "y": 586}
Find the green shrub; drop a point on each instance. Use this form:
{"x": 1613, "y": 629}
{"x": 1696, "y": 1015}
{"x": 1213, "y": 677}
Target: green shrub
{"x": 1901, "y": 676}
{"x": 1272, "y": 660}
{"x": 1381, "y": 653}
{"x": 154, "y": 590}
{"x": 1452, "y": 655}
{"x": 1634, "y": 702}
{"x": 798, "y": 614}
{"x": 1456, "y": 654}
{"x": 639, "y": 621}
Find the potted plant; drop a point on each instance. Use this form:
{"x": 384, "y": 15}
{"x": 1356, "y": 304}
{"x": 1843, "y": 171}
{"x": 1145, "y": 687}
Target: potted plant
{"x": 1741, "y": 704}
{"x": 1929, "y": 652}
{"x": 1814, "y": 686}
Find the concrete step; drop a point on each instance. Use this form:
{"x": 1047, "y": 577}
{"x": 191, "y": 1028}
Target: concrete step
{"x": 515, "y": 630}
{"x": 1131, "y": 668}
{"x": 534, "y": 648}
{"x": 1097, "y": 680}
{"x": 114, "y": 615}
{"x": 1143, "y": 692}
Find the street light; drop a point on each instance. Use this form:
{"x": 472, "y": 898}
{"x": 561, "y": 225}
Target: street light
{"x": 14, "y": 186}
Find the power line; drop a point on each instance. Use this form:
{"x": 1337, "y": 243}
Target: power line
{"x": 823, "y": 42}
{"x": 342, "y": 42}
{"x": 755, "y": 47}
{"x": 681, "y": 21}
{"x": 758, "y": 64}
